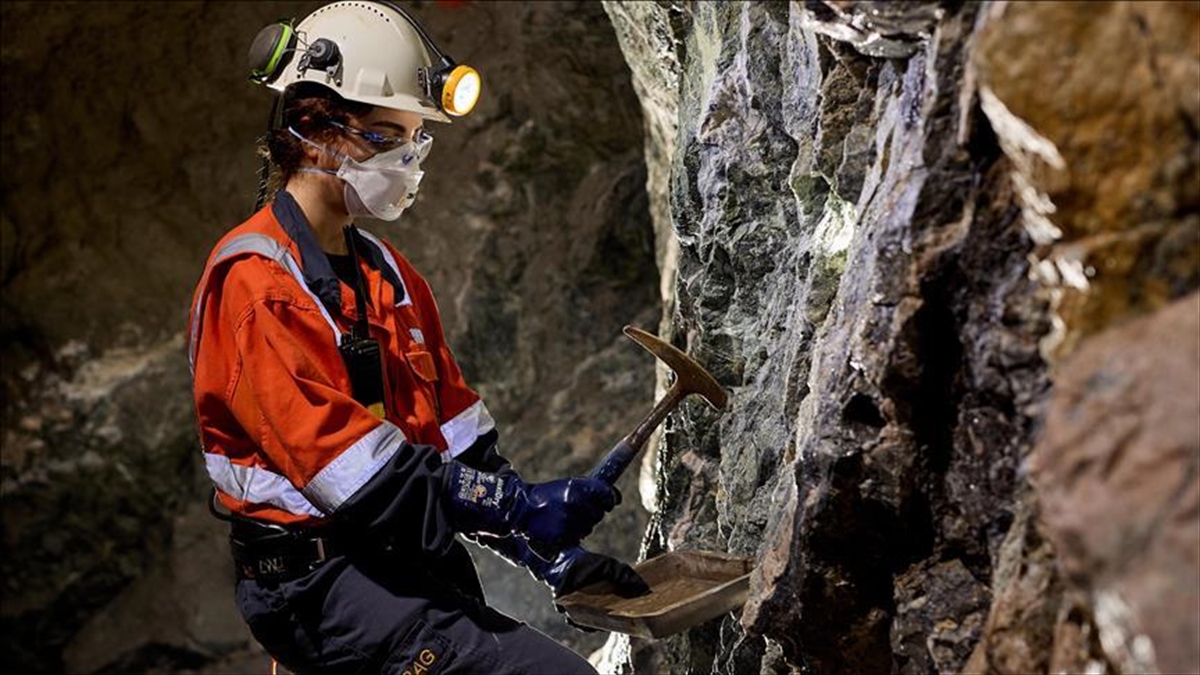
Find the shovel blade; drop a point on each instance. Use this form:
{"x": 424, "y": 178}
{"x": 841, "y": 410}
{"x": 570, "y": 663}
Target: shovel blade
{"x": 687, "y": 588}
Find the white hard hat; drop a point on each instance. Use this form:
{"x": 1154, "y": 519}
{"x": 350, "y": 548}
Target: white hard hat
{"x": 368, "y": 52}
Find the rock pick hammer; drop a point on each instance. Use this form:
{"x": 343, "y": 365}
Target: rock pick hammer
{"x": 690, "y": 378}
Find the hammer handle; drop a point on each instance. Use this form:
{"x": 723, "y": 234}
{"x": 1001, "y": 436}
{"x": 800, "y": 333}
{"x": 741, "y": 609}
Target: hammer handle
{"x": 614, "y": 463}
{"x": 618, "y": 459}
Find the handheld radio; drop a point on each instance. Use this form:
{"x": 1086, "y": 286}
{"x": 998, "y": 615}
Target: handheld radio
{"x": 359, "y": 350}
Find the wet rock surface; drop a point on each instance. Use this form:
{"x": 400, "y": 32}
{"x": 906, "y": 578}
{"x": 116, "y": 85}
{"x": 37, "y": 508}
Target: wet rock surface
{"x": 133, "y": 128}
{"x": 892, "y": 223}
{"x": 939, "y": 617}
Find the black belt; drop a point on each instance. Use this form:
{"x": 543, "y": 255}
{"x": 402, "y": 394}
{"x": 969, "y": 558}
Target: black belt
{"x": 271, "y": 553}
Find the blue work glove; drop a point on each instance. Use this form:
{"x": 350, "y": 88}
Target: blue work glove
{"x": 571, "y": 569}
{"x": 553, "y": 516}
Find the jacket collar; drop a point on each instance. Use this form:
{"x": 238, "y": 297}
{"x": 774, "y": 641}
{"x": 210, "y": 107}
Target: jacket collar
{"x": 318, "y": 273}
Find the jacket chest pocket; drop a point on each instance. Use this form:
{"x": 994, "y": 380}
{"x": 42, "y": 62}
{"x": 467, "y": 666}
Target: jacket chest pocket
{"x": 417, "y": 362}
{"x": 421, "y": 362}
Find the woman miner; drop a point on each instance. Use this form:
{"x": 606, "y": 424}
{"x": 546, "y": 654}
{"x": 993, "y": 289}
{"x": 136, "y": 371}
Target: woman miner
{"x": 336, "y": 426}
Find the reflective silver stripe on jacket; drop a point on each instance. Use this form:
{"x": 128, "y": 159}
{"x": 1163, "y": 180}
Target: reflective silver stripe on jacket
{"x": 257, "y": 485}
{"x": 326, "y": 492}
{"x": 353, "y": 467}
{"x": 461, "y": 431}
{"x": 259, "y": 244}
{"x": 391, "y": 261}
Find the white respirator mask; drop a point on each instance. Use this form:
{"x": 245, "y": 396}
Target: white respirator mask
{"x": 381, "y": 186}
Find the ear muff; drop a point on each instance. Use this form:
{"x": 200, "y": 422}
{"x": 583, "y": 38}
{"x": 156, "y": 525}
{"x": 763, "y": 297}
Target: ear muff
{"x": 271, "y": 50}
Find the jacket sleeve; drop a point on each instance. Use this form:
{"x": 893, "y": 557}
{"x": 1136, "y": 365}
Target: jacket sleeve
{"x": 291, "y": 387}
{"x": 482, "y": 455}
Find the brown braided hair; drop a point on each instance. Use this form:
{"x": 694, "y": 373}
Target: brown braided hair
{"x": 308, "y": 108}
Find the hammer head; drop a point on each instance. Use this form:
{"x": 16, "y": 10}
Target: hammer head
{"x": 690, "y": 377}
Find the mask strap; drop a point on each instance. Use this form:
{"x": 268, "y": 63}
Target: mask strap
{"x": 310, "y": 169}
{"x": 322, "y": 148}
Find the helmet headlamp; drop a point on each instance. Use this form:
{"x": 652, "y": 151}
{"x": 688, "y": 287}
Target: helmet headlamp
{"x": 461, "y": 90}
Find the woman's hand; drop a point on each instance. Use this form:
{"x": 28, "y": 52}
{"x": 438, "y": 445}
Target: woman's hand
{"x": 552, "y": 516}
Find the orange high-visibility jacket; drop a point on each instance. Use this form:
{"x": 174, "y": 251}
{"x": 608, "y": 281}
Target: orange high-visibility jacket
{"x": 284, "y": 441}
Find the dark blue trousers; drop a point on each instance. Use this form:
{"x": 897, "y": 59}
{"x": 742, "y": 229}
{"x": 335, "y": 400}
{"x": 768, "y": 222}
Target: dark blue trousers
{"x": 391, "y": 617}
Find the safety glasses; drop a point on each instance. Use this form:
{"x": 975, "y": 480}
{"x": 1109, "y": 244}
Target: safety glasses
{"x": 421, "y": 141}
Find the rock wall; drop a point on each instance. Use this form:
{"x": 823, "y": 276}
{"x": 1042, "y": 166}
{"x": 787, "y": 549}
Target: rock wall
{"x": 128, "y": 134}
{"x": 908, "y": 237}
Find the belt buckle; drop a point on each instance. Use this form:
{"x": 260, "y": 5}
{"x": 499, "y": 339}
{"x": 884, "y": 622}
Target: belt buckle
{"x": 321, "y": 555}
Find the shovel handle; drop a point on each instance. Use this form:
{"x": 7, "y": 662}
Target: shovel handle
{"x": 615, "y": 462}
